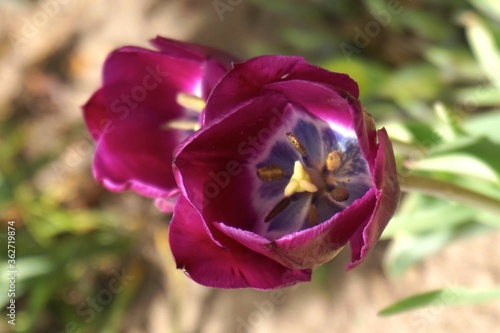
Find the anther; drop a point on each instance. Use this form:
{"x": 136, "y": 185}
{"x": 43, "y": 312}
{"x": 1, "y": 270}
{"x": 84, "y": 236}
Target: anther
{"x": 339, "y": 193}
{"x": 280, "y": 206}
{"x": 183, "y": 125}
{"x": 190, "y": 102}
{"x": 333, "y": 161}
{"x": 270, "y": 173}
{"x": 312, "y": 215}
{"x": 296, "y": 144}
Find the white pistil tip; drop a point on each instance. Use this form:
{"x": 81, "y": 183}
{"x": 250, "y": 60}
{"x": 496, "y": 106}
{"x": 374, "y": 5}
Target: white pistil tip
{"x": 300, "y": 181}
{"x": 190, "y": 102}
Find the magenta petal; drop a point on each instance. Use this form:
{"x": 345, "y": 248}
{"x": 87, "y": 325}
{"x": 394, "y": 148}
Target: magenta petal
{"x": 212, "y": 165}
{"x": 365, "y": 130}
{"x": 388, "y": 195}
{"x": 310, "y": 247}
{"x": 320, "y": 99}
{"x": 96, "y": 114}
{"x": 137, "y": 159}
{"x": 223, "y": 267}
{"x": 167, "y": 203}
{"x": 247, "y": 79}
{"x": 193, "y": 51}
{"x": 215, "y": 62}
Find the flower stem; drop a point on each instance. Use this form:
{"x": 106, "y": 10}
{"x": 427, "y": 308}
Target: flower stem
{"x": 445, "y": 190}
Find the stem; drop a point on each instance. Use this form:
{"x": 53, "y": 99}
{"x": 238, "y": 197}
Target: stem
{"x": 445, "y": 190}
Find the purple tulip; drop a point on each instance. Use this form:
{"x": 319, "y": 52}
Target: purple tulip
{"x": 286, "y": 170}
{"x": 148, "y": 103}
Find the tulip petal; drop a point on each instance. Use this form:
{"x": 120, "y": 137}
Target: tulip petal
{"x": 248, "y": 78}
{"x": 96, "y": 115}
{"x": 310, "y": 247}
{"x": 388, "y": 194}
{"x": 213, "y": 171}
{"x": 223, "y": 267}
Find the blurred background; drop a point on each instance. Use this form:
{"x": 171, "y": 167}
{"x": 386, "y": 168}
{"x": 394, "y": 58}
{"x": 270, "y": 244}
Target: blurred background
{"x": 92, "y": 261}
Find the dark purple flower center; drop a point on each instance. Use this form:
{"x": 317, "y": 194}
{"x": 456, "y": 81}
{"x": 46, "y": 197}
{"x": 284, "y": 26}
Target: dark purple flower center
{"x": 309, "y": 172}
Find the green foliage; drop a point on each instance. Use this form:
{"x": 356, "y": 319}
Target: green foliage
{"x": 450, "y": 296}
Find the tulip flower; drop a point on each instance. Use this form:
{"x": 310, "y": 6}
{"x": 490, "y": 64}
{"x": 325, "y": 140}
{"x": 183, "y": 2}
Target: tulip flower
{"x": 286, "y": 170}
{"x": 150, "y": 100}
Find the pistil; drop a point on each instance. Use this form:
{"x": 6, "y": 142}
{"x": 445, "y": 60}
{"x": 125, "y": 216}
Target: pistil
{"x": 300, "y": 181}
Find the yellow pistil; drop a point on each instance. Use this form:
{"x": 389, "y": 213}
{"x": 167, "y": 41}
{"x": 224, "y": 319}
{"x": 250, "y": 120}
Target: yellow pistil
{"x": 190, "y": 102}
{"x": 300, "y": 181}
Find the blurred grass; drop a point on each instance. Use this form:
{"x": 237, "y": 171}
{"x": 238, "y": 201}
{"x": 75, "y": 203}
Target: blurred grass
{"x": 72, "y": 236}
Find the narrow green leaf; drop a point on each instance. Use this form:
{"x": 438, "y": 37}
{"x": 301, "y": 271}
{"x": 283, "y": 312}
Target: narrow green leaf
{"x": 483, "y": 46}
{"x": 460, "y": 164}
{"x": 442, "y": 297}
{"x": 490, "y": 8}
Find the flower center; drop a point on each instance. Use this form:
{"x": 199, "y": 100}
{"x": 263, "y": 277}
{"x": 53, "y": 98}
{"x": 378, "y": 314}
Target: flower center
{"x": 307, "y": 175}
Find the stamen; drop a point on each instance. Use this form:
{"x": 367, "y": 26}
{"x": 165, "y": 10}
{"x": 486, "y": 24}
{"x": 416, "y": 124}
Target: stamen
{"x": 339, "y": 193}
{"x": 280, "y": 206}
{"x": 312, "y": 215}
{"x": 183, "y": 125}
{"x": 296, "y": 144}
{"x": 190, "y": 102}
{"x": 270, "y": 173}
{"x": 333, "y": 161}
{"x": 300, "y": 181}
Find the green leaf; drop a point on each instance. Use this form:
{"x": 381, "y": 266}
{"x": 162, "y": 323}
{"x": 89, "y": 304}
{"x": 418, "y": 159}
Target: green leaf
{"x": 483, "y": 46}
{"x": 460, "y": 164}
{"x": 490, "y": 8}
{"x": 416, "y": 82}
{"x": 442, "y": 297}
{"x": 465, "y": 156}
{"x": 406, "y": 250}
{"x": 456, "y": 64}
{"x": 478, "y": 96}
{"x": 441, "y": 215}
{"x": 485, "y": 124}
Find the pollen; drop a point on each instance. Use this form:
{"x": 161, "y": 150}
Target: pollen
{"x": 280, "y": 206}
{"x": 296, "y": 144}
{"x": 339, "y": 193}
{"x": 270, "y": 173}
{"x": 312, "y": 215}
{"x": 190, "y": 102}
{"x": 300, "y": 181}
{"x": 333, "y": 161}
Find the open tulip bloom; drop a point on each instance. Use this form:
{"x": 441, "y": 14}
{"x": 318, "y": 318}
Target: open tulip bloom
{"x": 286, "y": 169}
